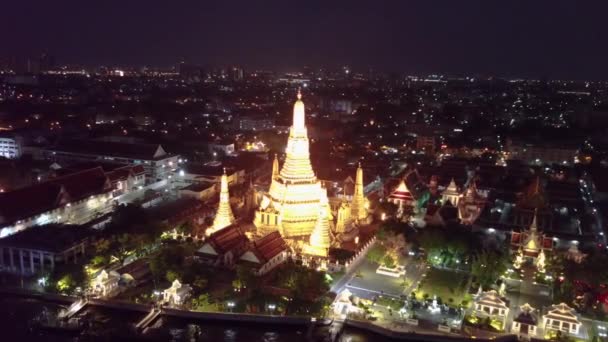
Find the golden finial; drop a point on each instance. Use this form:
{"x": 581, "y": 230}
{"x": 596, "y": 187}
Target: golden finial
{"x": 299, "y": 94}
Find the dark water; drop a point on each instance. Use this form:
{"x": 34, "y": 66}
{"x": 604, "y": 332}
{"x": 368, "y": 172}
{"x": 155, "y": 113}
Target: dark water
{"x": 17, "y": 318}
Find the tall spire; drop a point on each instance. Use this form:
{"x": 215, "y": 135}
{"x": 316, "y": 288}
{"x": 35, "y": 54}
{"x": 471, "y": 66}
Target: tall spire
{"x": 297, "y": 165}
{"x": 275, "y": 166}
{"x": 298, "y": 113}
{"x": 358, "y": 210}
{"x": 223, "y": 217}
{"x": 534, "y": 225}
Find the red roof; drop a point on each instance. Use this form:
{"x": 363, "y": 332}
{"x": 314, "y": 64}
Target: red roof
{"x": 228, "y": 239}
{"x": 269, "y": 246}
{"x": 39, "y": 198}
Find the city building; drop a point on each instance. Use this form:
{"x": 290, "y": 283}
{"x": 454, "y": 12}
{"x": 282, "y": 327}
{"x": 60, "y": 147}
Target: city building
{"x": 11, "y": 146}
{"x": 41, "y": 248}
{"x": 254, "y": 123}
{"x": 157, "y": 163}
{"x": 203, "y": 191}
{"x": 543, "y": 153}
{"x": 72, "y": 199}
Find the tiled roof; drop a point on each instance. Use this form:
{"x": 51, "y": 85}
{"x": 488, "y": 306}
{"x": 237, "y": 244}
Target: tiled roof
{"x": 228, "y": 239}
{"x": 111, "y": 148}
{"x": 52, "y": 238}
{"x": 269, "y": 246}
{"x": 39, "y": 198}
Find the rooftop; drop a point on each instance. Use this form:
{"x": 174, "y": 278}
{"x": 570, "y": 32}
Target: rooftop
{"x": 39, "y": 198}
{"x": 112, "y": 148}
{"x": 50, "y": 238}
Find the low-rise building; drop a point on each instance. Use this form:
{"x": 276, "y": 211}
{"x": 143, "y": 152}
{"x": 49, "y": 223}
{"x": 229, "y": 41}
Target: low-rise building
{"x": 177, "y": 293}
{"x": 72, "y": 199}
{"x": 224, "y": 247}
{"x": 562, "y": 318}
{"x": 267, "y": 253}
{"x": 11, "y": 146}
{"x": 490, "y": 304}
{"x": 203, "y": 191}
{"x": 157, "y": 163}
{"x": 525, "y": 323}
{"x": 40, "y": 248}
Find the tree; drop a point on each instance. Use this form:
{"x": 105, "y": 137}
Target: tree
{"x": 171, "y": 275}
{"x": 388, "y": 208}
{"x": 185, "y": 228}
{"x": 376, "y": 253}
{"x": 388, "y": 261}
{"x": 246, "y": 277}
{"x": 488, "y": 266}
{"x": 200, "y": 283}
{"x": 203, "y": 303}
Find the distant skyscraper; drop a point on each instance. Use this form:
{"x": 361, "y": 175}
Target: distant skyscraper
{"x": 47, "y": 62}
{"x": 237, "y": 74}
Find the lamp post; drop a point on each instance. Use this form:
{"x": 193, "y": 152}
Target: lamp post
{"x": 271, "y": 308}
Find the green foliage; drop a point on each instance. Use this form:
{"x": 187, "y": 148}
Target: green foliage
{"x": 185, "y": 228}
{"x": 447, "y": 247}
{"x": 171, "y": 275}
{"x": 204, "y": 303}
{"x": 376, "y": 253}
{"x": 66, "y": 278}
{"x": 170, "y": 262}
{"x": 488, "y": 266}
{"x": 389, "y": 208}
{"x": 388, "y": 261}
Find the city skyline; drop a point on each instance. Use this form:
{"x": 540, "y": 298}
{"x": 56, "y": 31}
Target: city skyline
{"x": 540, "y": 40}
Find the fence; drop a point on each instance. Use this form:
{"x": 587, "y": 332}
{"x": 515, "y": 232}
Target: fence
{"x": 354, "y": 260}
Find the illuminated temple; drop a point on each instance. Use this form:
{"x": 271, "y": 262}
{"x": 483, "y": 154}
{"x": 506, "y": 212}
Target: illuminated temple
{"x": 296, "y": 205}
{"x": 223, "y": 217}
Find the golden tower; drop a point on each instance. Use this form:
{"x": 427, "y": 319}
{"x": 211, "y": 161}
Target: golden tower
{"x": 292, "y": 203}
{"x": 358, "y": 208}
{"x": 223, "y": 217}
{"x": 320, "y": 240}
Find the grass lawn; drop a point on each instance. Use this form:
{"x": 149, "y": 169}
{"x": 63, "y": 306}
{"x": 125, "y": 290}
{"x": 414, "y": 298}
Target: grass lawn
{"x": 445, "y": 285}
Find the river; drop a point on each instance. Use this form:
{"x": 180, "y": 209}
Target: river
{"x": 18, "y": 316}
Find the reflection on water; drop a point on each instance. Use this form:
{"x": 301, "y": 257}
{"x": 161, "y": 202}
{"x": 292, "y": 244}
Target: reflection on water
{"x": 19, "y": 321}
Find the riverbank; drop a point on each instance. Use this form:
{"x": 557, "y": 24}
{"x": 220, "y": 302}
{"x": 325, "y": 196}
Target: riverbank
{"x": 304, "y": 322}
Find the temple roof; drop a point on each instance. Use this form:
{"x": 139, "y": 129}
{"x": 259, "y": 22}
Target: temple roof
{"x": 269, "y": 246}
{"x": 401, "y": 193}
{"x": 533, "y": 197}
{"x": 228, "y": 239}
{"x": 491, "y": 298}
{"x": 562, "y": 312}
{"x": 526, "y": 315}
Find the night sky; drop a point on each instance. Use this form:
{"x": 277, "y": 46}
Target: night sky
{"x": 556, "y": 39}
